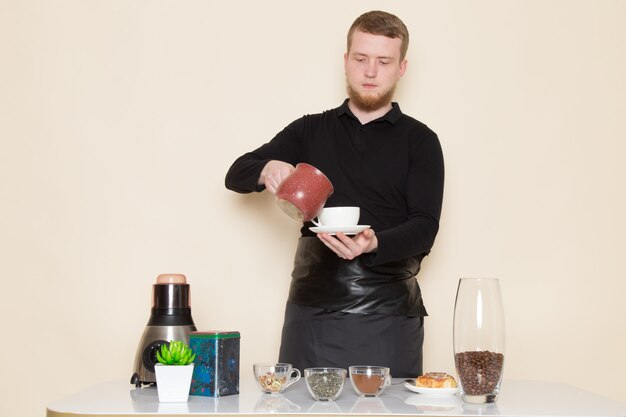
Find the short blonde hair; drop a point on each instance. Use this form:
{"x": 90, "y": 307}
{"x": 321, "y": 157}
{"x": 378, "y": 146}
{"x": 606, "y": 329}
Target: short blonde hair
{"x": 377, "y": 22}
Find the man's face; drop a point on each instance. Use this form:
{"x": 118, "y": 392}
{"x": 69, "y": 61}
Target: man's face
{"x": 373, "y": 68}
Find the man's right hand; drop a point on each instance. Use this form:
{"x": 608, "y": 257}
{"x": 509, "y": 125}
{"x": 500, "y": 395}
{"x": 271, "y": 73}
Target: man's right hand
{"x": 274, "y": 172}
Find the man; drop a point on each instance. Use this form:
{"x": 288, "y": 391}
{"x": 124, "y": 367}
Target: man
{"x": 354, "y": 299}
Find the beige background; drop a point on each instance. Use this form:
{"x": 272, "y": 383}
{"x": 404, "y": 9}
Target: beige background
{"x": 119, "y": 119}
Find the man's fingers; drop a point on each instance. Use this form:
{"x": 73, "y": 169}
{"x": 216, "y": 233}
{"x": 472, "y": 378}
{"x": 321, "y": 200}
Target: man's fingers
{"x": 330, "y": 243}
{"x": 341, "y": 244}
{"x": 271, "y": 184}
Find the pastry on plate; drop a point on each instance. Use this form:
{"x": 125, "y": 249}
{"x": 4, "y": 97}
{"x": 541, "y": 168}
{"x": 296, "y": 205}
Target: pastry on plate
{"x": 435, "y": 380}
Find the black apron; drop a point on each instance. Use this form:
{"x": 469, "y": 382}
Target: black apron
{"x": 323, "y": 280}
{"x": 313, "y": 337}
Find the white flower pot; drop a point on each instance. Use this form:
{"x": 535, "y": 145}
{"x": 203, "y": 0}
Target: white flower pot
{"x": 173, "y": 382}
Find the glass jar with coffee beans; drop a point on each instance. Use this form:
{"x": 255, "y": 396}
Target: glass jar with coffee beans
{"x": 479, "y": 339}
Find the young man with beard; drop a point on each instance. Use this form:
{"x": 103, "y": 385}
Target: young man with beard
{"x": 355, "y": 299}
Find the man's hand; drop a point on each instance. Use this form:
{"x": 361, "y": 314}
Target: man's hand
{"x": 274, "y": 172}
{"x": 349, "y": 248}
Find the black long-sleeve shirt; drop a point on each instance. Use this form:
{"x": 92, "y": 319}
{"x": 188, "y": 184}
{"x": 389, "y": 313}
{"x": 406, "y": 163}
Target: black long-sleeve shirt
{"x": 392, "y": 168}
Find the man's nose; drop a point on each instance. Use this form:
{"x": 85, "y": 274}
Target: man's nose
{"x": 370, "y": 70}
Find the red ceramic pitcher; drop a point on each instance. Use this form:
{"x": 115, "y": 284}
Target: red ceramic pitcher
{"x": 304, "y": 192}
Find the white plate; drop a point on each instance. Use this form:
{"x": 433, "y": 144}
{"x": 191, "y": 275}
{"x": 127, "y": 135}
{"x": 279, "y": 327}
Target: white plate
{"x": 428, "y": 403}
{"x": 434, "y": 392}
{"x": 348, "y": 230}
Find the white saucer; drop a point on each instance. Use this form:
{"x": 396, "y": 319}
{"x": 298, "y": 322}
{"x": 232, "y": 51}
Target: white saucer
{"x": 434, "y": 392}
{"x": 348, "y": 230}
{"x": 450, "y": 404}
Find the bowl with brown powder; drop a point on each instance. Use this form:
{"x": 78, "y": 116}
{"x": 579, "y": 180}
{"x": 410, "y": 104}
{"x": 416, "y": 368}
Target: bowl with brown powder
{"x": 369, "y": 381}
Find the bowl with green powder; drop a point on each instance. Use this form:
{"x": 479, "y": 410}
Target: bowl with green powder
{"x": 325, "y": 384}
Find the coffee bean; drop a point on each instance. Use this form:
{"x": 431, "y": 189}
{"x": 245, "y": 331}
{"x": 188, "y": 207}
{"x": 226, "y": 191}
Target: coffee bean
{"x": 479, "y": 371}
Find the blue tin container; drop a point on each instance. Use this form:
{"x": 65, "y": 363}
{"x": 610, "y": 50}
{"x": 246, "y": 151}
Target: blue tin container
{"x": 216, "y": 366}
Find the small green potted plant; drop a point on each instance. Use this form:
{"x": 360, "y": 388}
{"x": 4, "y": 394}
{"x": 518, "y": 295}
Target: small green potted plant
{"x": 174, "y": 371}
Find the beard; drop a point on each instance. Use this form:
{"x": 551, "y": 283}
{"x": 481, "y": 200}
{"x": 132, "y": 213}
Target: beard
{"x": 370, "y": 102}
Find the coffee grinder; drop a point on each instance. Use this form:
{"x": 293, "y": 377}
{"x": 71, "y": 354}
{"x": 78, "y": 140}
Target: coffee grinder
{"x": 170, "y": 319}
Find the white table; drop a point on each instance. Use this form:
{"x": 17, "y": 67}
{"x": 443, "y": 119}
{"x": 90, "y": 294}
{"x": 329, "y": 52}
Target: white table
{"x": 517, "y": 398}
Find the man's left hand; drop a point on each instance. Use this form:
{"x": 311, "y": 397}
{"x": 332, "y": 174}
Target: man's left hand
{"x": 350, "y": 247}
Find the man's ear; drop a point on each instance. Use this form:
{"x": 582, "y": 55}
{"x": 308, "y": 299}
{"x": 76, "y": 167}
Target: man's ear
{"x": 403, "y": 66}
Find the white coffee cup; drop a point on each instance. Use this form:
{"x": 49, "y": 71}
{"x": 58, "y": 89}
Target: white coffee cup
{"x": 338, "y": 216}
